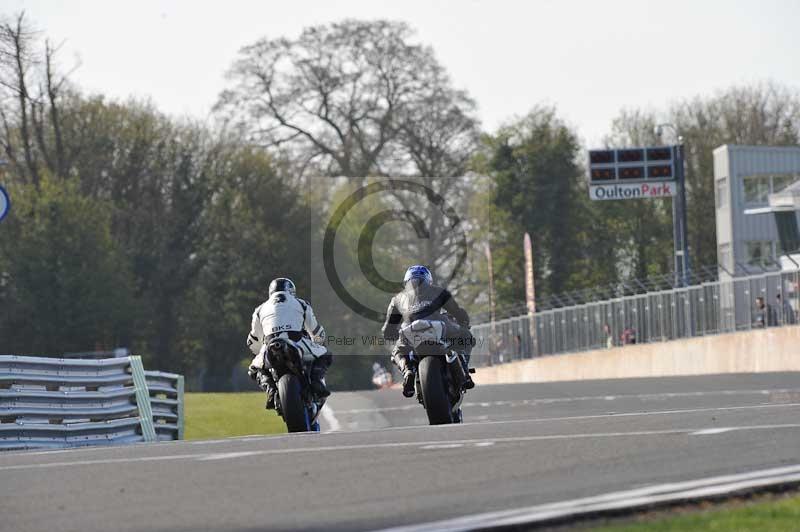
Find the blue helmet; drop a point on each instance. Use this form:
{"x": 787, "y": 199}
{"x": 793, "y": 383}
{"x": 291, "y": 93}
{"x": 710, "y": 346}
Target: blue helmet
{"x": 418, "y": 272}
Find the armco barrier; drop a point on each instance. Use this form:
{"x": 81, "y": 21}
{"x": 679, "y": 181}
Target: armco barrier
{"x": 56, "y": 402}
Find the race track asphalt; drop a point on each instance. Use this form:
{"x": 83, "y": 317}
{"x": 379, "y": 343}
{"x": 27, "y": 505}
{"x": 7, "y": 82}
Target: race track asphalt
{"x": 520, "y": 445}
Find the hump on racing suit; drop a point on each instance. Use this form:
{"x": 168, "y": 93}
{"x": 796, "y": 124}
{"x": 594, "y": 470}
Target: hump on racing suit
{"x": 286, "y": 315}
{"x": 420, "y": 301}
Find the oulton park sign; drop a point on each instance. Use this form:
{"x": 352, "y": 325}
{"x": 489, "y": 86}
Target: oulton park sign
{"x": 632, "y": 191}
{"x": 633, "y": 173}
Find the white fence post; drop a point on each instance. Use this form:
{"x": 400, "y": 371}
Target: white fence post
{"x": 143, "y": 399}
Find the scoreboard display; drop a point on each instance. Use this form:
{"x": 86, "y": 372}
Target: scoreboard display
{"x": 626, "y": 165}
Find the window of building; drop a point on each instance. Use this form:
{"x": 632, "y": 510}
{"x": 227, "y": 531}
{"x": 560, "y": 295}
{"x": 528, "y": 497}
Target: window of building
{"x": 758, "y": 252}
{"x": 780, "y": 182}
{"x": 788, "y": 232}
{"x": 722, "y": 192}
{"x": 756, "y": 190}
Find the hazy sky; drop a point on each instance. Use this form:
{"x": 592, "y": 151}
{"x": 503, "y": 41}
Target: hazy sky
{"x": 589, "y": 58}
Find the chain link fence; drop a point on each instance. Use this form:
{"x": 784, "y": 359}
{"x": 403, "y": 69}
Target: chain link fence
{"x": 715, "y": 307}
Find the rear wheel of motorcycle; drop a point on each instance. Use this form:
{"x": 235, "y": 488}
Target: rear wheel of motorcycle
{"x": 294, "y": 411}
{"x": 434, "y": 396}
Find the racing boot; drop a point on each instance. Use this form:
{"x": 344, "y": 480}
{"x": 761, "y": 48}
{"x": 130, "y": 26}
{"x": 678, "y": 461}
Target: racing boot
{"x": 401, "y": 361}
{"x": 468, "y": 382}
{"x": 318, "y": 385}
{"x": 271, "y": 393}
{"x": 465, "y": 356}
{"x": 408, "y": 382}
{"x": 267, "y": 383}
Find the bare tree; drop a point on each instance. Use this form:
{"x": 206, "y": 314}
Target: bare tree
{"x": 360, "y": 99}
{"x": 439, "y": 131}
{"x": 643, "y": 226}
{"x": 758, "y": 114}
{"x": 31, "y": 90}
{"x": 51, "y": 91}
{"x": 333, "y": 94}
{"x": 438, "y": 135}
{"x": 16, "y": 60}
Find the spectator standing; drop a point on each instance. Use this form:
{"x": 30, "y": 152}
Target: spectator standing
{"x": 787, "y": 315}
{"x": 628, "y": 336}
{"x": 608, "y": 335}
{"x": 765, "y": 314}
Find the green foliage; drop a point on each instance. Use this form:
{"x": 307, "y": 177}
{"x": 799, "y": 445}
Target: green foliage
{"x": 643, "y": 229}
{"x": 352, "y": 363}
{"x": 258, "y": 229}
{"x": 132, "y": 228}
{"x": 164, "y": 241}
{"x": 758, "y": 114}
{"x": 772, "y": 516}
{"x": 539, "y": 189}
{"x": 65, "y": 285}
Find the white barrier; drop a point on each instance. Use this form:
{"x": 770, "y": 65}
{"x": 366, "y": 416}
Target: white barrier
{"x": 774, "y": 349}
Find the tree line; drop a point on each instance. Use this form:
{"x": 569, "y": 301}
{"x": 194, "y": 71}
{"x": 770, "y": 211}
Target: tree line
{"x": 130, "y": 227}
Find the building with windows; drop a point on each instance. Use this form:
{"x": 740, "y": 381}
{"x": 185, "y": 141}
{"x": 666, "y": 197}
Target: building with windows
{"x": 749, "y": 180}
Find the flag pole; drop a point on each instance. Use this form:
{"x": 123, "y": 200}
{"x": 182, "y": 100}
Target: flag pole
{"x": 492, "y": 308}
{"x": 530, "y": 294}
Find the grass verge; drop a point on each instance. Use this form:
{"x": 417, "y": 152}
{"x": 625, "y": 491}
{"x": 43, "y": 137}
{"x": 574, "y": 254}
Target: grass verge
{"x": 780, "y": 514}
{"x": 220, "y": 415}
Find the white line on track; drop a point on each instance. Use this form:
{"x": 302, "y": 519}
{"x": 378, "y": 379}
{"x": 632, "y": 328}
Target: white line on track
{"x": 419, "y": 444}
{"x": 635, "y": 414}
{"x": 442, "y": 446}
{"x": 707, "y": 432}
{"x": 552, "y": 400}
{"x": 225, "y": 456}
{"x": 628, "y": 499}
{"x": 483, "y": 420}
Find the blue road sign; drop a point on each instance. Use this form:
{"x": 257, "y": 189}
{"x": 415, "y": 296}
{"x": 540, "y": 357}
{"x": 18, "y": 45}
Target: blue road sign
{"x": 5, "y": 203}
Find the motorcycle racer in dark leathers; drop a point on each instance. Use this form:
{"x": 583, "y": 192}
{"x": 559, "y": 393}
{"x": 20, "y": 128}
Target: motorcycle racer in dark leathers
{"x": 421, "y": 299}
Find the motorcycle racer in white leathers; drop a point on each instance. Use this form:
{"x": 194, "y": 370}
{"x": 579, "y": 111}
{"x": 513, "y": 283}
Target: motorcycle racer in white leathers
{"x": 284, "y": 315}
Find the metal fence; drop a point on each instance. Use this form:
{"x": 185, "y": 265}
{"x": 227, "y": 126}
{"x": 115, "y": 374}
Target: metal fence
{"x": 714, "y": 307}
{"x": 57, "y": 402}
